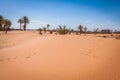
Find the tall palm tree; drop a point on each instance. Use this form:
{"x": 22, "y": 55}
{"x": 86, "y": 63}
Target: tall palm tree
{"x": 21, "y": 22}
{"x": 25, "y": 21}
{"x": 1, "y": 19}
{"x": 80, "y": 27}
{"x": 7, "y": 23}
{"x": 85, "y": 30}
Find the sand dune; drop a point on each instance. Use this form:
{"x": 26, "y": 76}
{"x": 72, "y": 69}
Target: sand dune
{"x": 30, "y": 56}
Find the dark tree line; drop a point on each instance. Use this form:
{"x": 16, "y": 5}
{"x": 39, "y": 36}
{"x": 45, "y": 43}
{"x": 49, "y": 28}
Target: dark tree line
{"x": 5, "y": 24}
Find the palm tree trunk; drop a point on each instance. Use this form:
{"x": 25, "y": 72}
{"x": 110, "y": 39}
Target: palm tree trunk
{"x": 20, "y": 27}
{"x": 6, "y": 29}
{"x": 0, "y": 26}
{"x": 80, "y": 32}
{"x": 25, "y": 27}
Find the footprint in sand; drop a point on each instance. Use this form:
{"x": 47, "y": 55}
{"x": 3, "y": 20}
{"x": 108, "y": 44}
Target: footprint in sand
{"x": 8, "y": 59}
{"x": 15, "y": 57}
{"x": 81, "y": 53}
{"x": 95, "y": 57}
{"x": 28, "y": 57}
{"x": 1, "y": 60}
{"x": 34, "y": 53}
{"x": 86, "y": 54}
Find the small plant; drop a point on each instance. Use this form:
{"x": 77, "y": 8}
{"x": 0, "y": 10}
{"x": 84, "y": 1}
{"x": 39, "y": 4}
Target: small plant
{"x": 80, "y": 27}
{"x": 62, "y": 30}
{"x": 118, "y": 37}
{"x": 111, "y": 34}
{"x": 40, "y": 31}
{"x": 51, "y": 31}
{"x": 104, "y": 36}
{"x": 77, "y": 33}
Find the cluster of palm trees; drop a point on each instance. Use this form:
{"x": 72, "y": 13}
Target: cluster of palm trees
{"x": 23, "y": 21}
{"x": 63, "y": 30}
{"x": 4, "y": 24}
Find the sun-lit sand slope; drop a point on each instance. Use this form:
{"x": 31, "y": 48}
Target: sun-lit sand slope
{"x": 30, "y": 56}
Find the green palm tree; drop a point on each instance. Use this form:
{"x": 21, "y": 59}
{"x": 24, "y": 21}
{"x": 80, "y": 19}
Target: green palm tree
{"x": 1, "y": 19}
{"x": 80, "y": 27}
{"x": 7, "y": 23}
{"x": 25, "y": 21}
{"x": 96, "y": 31}
{"x": 48, "y": 25}
{"x": 44, "y": 29}
{"x": 85, "y": 30}
{"x": 21, "y": 22}
{"x": 62, "y": 30}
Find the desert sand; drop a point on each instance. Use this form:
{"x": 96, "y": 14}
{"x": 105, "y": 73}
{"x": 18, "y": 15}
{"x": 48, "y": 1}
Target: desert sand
{"x": 26, "y": 55}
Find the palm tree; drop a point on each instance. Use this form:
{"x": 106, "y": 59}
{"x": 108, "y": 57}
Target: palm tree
{"x": 62, "y": 30}
{"x": 95, "y": 31}
{"x": 1, "y": 19}
{"x": 21, "y": 22}
{"x": 44, "y": 29}
{"x": 85, "y": 30}
{"x": 7, "y": 23}
{"x": 48, "y": 25}
{"x": 25, "y": 21}
{"x": 72, "y": 30}
{"x": 80, "y": 27}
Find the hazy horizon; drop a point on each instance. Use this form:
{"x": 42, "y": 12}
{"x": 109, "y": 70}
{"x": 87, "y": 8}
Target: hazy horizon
{"x": 89, "y": 13}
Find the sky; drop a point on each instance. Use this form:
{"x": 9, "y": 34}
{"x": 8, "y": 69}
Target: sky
{"x": 102, "y": 14}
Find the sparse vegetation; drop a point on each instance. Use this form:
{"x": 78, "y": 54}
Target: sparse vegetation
{"x": 62, "y": 30}
{"x": 51, "y": 31}
{"x": 40, "y": 31}
{"x": 48, "y": 25}
{"x": 104, "y": 36}
{"x": 21, "y": 22}
{"x": 118, "y": 37}
{"x": 85, "y": 30}
{"x": 96, "y": 31}
{"x": 80, "y": 27}
{"x": 24, "y": 21}
{"x": 5, "y": 24}
{"x": 44, "y": 29}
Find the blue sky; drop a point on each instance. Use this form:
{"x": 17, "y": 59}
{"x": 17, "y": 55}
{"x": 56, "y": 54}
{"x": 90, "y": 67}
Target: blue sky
{"x": 90, "y": 13}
